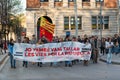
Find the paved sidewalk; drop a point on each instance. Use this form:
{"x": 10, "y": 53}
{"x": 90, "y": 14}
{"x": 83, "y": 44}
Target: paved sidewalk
{"x": 115, "y": 58}
{"x": 3, "y": 59}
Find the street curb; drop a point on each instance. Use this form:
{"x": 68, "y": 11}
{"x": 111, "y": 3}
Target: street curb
{"x": 113, "y": 62}
{"x": 4, "y": 62}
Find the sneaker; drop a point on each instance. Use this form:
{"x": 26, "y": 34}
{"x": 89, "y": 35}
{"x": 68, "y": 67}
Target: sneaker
{"x": 14, "y": 67}
{"x": 65, "y": 65}
{"x": 23, "y": 65}
{"x": 11, "y": 66}
{"x": 70, "y": 65}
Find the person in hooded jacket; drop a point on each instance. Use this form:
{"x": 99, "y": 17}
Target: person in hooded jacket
{"x": 10, "y": 48}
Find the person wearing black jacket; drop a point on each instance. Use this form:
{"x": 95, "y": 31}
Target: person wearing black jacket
{"x": 1, "y": 47}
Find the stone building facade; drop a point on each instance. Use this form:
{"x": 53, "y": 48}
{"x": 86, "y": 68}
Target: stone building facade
{"x": 62, "y": 15}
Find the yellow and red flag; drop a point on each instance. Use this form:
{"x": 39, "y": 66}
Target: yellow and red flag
{"x": 46, "y": 29}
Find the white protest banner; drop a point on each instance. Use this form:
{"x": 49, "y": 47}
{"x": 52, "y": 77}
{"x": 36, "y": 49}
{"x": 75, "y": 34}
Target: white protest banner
{"x": 52, "y": 52}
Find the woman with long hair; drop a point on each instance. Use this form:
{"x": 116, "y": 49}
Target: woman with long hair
{"x": 109, "y": 46}
{"x": 116, "y": 47}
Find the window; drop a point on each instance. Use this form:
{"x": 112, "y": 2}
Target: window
{"x": 58, "y": 3}
{"x": 72, "y": 23}
{"x": 79, "y": 23}
{"x": 70, "y": 0}
{"x": 99, "y": 0}
{"x": 43, "y": 0}
{"x": 98, "y": 3}
{"x": 44, "y": 3}
{"x": 96, "y": 22}
{"x": 70, "y": 3}
{"x": 58, "y": 0}
{"x": 106, "y": 22}
{"x": 66, "y": 23}
{"x": 69, "y": 23}
{"x": 85, "y": 0}
{"x": 86, "y": 3}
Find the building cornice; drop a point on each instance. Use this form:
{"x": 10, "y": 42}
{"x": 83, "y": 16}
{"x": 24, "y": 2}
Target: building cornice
{"x": 37, "y": 9}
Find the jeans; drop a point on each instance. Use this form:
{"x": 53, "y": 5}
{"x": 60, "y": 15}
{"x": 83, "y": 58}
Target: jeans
{"x": 25, "y": 63}
{"x": 40, "y": 64}
{"x": 12, "y": 61}
{"x": 68, "y": 63}
{"x": 102, "y": 50}
{"x": 109, "y": 55}
{"x": 53, "y": 63}
{"x": 116, "y": 49}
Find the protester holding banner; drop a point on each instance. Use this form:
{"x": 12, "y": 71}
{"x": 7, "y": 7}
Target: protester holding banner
{"x": 44, "y": 39}
{"x": 86, "y": 42}
{"x": 39, "y": 43}
{"x": 60, "y": 40}
{"x": 10, "y": 48}
{"x": 26, "y": 40}
{"x": 68, "y": 63}
{"x": 79, "y": 39}
{"x": 76, "y": 60}
{"x": 33, "y": 41}
{"x": 55, "y": 40}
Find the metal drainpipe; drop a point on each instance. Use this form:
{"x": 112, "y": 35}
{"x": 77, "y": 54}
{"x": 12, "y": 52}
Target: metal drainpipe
{"x": 101, "y": 20}
{"x": 76, "y": 21}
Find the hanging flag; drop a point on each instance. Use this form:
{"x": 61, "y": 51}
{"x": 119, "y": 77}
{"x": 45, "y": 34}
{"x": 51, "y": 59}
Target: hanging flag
{"x": 46, "y": 29}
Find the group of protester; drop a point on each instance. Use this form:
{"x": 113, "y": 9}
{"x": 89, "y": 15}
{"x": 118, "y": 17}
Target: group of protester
{"x": 106, "y": 45}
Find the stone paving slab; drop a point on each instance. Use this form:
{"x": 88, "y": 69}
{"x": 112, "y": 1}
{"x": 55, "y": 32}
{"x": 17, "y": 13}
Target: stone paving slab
{"x": 2, "y": 58}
